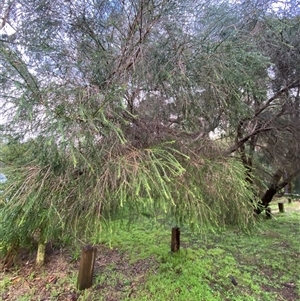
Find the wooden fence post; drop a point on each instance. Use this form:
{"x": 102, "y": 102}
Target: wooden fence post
{"x": 175, "y": 240}
{"x": 268, "y": 213}
{"x": 86, "y": 267}
{"x": 41, "y": 251}
{"x": 281, "y": 207}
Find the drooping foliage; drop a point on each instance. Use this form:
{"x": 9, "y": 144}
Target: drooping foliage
{"x": 62, "y": 200}
{"x": 113, "y": 103}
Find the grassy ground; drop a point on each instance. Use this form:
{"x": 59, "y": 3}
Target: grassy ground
{"x": 136, "y": 264}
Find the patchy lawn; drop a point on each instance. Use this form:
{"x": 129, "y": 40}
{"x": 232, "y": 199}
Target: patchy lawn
{"x": 136, "y": 264}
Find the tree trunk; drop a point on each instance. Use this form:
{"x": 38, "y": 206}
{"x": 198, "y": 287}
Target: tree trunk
{"x": 288, "y": 188}
{"x": 266, "y": 200}
{"x": 268, "y": 196}
{"x": 274, "y": 187}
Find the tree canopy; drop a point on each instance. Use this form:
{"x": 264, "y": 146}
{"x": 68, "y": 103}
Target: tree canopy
{"x": 116, "y": 104}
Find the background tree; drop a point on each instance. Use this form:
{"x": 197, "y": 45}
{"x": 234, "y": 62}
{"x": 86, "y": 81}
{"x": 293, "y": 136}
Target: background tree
{"x": 267, "y": 139}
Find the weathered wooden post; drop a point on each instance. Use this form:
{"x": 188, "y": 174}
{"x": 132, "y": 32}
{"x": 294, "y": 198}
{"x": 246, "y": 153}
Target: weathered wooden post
{"x": 40, "y": 256}
{"x": 290, "y": 200}
{"x": 281, "y": 207}
{"x": 175, "y": 240}
{"x": 268, "y": 213}
{"x": 38, "y": 235}
{"x": 86, "y": 267}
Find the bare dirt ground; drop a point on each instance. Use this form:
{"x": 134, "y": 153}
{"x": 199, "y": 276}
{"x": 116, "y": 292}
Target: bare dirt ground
{"x": 56, "y": 280}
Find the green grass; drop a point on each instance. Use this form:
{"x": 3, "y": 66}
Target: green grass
{"x": 264, "y": 262}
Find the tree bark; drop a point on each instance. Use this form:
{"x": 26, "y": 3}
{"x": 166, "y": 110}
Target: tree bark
{"x": 268, "y": 196}
{"x": 274, "y": 187}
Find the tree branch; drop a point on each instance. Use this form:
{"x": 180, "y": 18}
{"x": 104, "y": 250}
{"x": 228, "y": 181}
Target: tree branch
{"x": 276, "y": 95}
{"x": 239, "y": 143}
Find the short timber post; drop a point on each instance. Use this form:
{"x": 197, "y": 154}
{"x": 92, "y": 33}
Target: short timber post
{"x": 40, "y": 256}
{"x": 281, "y": 207}
{"x": 86, "y": 268}
{"x": 175, "y": 240}
{"x": 290, "y": 200}
{"x": 268, "y": 213}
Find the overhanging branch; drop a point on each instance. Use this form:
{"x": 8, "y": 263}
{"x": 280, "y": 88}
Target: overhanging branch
{"x": 240, "y": 142}
{"x": 276, "y": 95}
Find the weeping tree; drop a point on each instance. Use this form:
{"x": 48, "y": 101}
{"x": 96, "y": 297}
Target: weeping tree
{"x": 61, "y": 201}
{"x": 113, "y": 102}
